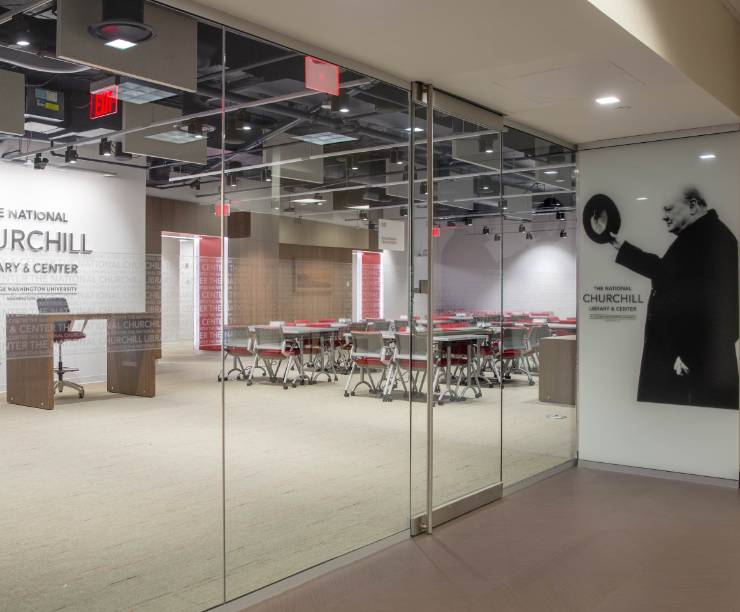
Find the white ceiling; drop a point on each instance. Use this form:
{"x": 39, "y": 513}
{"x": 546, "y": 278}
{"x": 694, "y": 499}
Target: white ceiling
{"x": 538, "y": 61}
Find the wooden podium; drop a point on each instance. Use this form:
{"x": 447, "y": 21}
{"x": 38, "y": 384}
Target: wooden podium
{"x": 133, "y": 346}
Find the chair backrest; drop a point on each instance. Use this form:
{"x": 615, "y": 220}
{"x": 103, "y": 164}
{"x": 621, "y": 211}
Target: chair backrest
{"x": 514, "y": 339}
{"x": 52, "y": 305}
{"x": 412, "y": 346}
{"x": 357, "y": 326}
{"x": 237, "y": 335}
{"x": 268, "y": 337}
{"x": 368, "y": 344}
{"x": 379, "y": 325}
{"x": 536, "y": 333}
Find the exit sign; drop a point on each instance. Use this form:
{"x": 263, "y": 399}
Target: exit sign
{"x": 104, "y": 102}
{"x": 322, "y": 76}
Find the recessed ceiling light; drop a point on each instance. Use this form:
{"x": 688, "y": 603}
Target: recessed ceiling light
{"x": 641, "y": 198}
{"x": 344, "y": 109}
{"x": 246, "y": 127}
{"x": 489, "y": 150}
{"x": 707, "y": 156}
{"x": 314, "y": 200}
{"x": 551, "y": 171}
{"x": 121, "y": 44}
{"x": 608, "y": 100}
{"x": 23, "y": 42}
{"x": 416, "y": 129}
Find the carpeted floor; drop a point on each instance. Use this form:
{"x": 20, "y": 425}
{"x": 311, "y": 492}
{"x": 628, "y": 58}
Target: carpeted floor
{"x": 115, "y": 503}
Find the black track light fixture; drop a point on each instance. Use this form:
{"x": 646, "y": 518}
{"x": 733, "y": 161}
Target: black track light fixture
{"x": 195, "y": 185}
{"x": 404, "y": 212}
{"x": 396, "y": 157}
{"x": 560, "y": 215}
{"x": 528, "y": 236}
{"x": 522, "y": 228}
{"x": 105, "y": 148}
{"x": 468, "y": 222}
{"x": 497, "y": 237}
{"x": 340, "y": 104}
{"x": 40, "y": 163}
{"x": 70, "y": 155}
{"x": 563, "y": 233}
{"x": 486, "y": 230}
{"x": 486, "y": 144}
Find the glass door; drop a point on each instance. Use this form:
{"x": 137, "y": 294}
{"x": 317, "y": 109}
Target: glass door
{"x": 457, "y": 308}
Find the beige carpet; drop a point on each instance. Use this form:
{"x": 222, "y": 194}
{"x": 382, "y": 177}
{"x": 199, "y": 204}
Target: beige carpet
{"x": 115, "y": 503}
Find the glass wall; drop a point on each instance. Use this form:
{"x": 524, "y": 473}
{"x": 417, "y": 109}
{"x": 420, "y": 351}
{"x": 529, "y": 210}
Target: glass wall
{"x": 537, "y": 368}
{"x": 220, "y": 246}
{"x": 316, "y": 439}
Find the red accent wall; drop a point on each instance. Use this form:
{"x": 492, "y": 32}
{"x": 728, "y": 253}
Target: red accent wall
{"x": 209, "y": 315}
{"x": 370, "y": 285}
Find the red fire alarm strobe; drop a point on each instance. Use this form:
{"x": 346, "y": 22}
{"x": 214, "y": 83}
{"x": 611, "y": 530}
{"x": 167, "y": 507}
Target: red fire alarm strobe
{"x": 322, "y": 76}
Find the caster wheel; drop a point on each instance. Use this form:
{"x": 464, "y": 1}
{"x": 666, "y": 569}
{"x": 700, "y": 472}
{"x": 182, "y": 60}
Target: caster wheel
{"x": 531, "y": 383}
{"x": 346, "y": 394}
{"x": 478, "y": 395}
{"x": 273, "y": 380}
{"x": 336, "y": 378}
{"x": 294, "y": 385}
{"x": 352, "y": 394}
{"x": 490, "y": 385}
{"x": 219, "y": 379}
{"x": 440, "y": 403}
{"x": 81, "y": 394}
{"x": 303, "y": 381}
{"x": 249, "y": 383}
{"x": 285, "y": 387}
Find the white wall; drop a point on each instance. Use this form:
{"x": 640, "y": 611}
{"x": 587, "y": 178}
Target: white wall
{"x": 111, "y": 212}
{"x": 614, "y": 426}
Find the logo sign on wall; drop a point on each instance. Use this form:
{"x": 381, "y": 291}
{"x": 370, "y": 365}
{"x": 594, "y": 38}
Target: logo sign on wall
{"x": 391, "y": 235}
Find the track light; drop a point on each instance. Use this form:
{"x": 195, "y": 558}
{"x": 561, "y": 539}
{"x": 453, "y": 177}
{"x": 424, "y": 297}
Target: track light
{"x": 105, "y": 148}
{"x": 232, "y": 180}
{"x": 39, "y": 163}
{"x": 504, "y": 205}
{"x": 363, "y": 215}
{"x": 340, "y": 103}
{"x": 353, "y": 164}
{"x": 396, "y": 157}
{"x": 468, "y": 221}
{"x": 70, "y": 155}
{"x": 560, "y": 215}
{"x": 563, "y": 233}
{"x": 404, "y": 212}
{"x": 485, "y": 144}
{"x": 195, "y": 185}
{"x": 528, "y": 236}
{"x": 486, "y": 230}
{"x": 522, "y": 228}
{"x": 372, "y": 225}
{"x": 121, "y": 154}
{"x": 267, "y": 175}
{"x": 496, "y": 237}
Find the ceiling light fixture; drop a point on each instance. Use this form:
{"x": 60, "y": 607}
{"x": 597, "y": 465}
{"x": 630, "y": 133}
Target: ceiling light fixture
{"x": 496, "y": 237}
{"x": 416, "y": 129}
{"x": 486, "y": 230}
{"x": 403, "y": 212}
{"x": 551, "y": 171}
{"x": 23, "y": 42}
{"x": 316, "y": 199}
{"x": 607, "y": 100}
{"x": 707, "y": 156}
{"x": 70, "y": 155}
{"x": 468, "y": 221}
{"x": 563, "y": 233}
{"x": 123, "y": 24}
{"x": 353, "y": 164}
{"x": 105, "y": 148}
{"x": 39, "y": 163}
{"x": 528, "y": 236}
{"x": 641, "y": 198}
{"x": 522, "y": 228}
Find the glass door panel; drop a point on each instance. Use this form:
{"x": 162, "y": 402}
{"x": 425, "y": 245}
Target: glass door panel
{"x": 316, "y": 443}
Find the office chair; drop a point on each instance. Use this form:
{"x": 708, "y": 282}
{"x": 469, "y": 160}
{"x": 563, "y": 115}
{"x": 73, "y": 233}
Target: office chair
{"x": 238, "y": 343}
{"x": 273, "y": 349}
{"x": 379, "y": 325}
{"x": 62, "y": 334}
{"x": 410, "y": 358}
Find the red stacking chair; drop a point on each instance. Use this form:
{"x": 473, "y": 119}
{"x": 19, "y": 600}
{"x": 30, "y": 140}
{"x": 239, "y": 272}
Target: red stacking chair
{"x": 273, "y": 349}
{"x": 513, "y": 352}
{"x": 238, "y": 343}
{"x": 369, "y": 354}
{"x": 63, "y": 332}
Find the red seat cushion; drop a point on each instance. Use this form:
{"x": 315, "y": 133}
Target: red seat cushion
{"x": 68, "y": 335}
{"x": 413, "y": 364}
{"x": 511, "y": 353}
{"x": 238, "y": 350}
{"x": 371, "y": 362}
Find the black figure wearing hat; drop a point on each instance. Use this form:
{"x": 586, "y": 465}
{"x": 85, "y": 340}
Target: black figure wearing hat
{"x": 691, "y": 328}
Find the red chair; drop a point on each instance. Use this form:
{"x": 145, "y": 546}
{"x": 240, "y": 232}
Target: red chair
{"x": 62, "y": 333}
{"x": 273, "y": 349}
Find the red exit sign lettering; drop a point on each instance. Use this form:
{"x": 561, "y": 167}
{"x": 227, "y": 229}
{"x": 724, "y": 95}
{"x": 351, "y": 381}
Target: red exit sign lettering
{"x": 104, "y": 102}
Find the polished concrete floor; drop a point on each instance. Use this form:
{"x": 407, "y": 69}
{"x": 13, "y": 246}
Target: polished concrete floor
{"x": 117, "y": 503}
{"x": 582, "y": 541}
